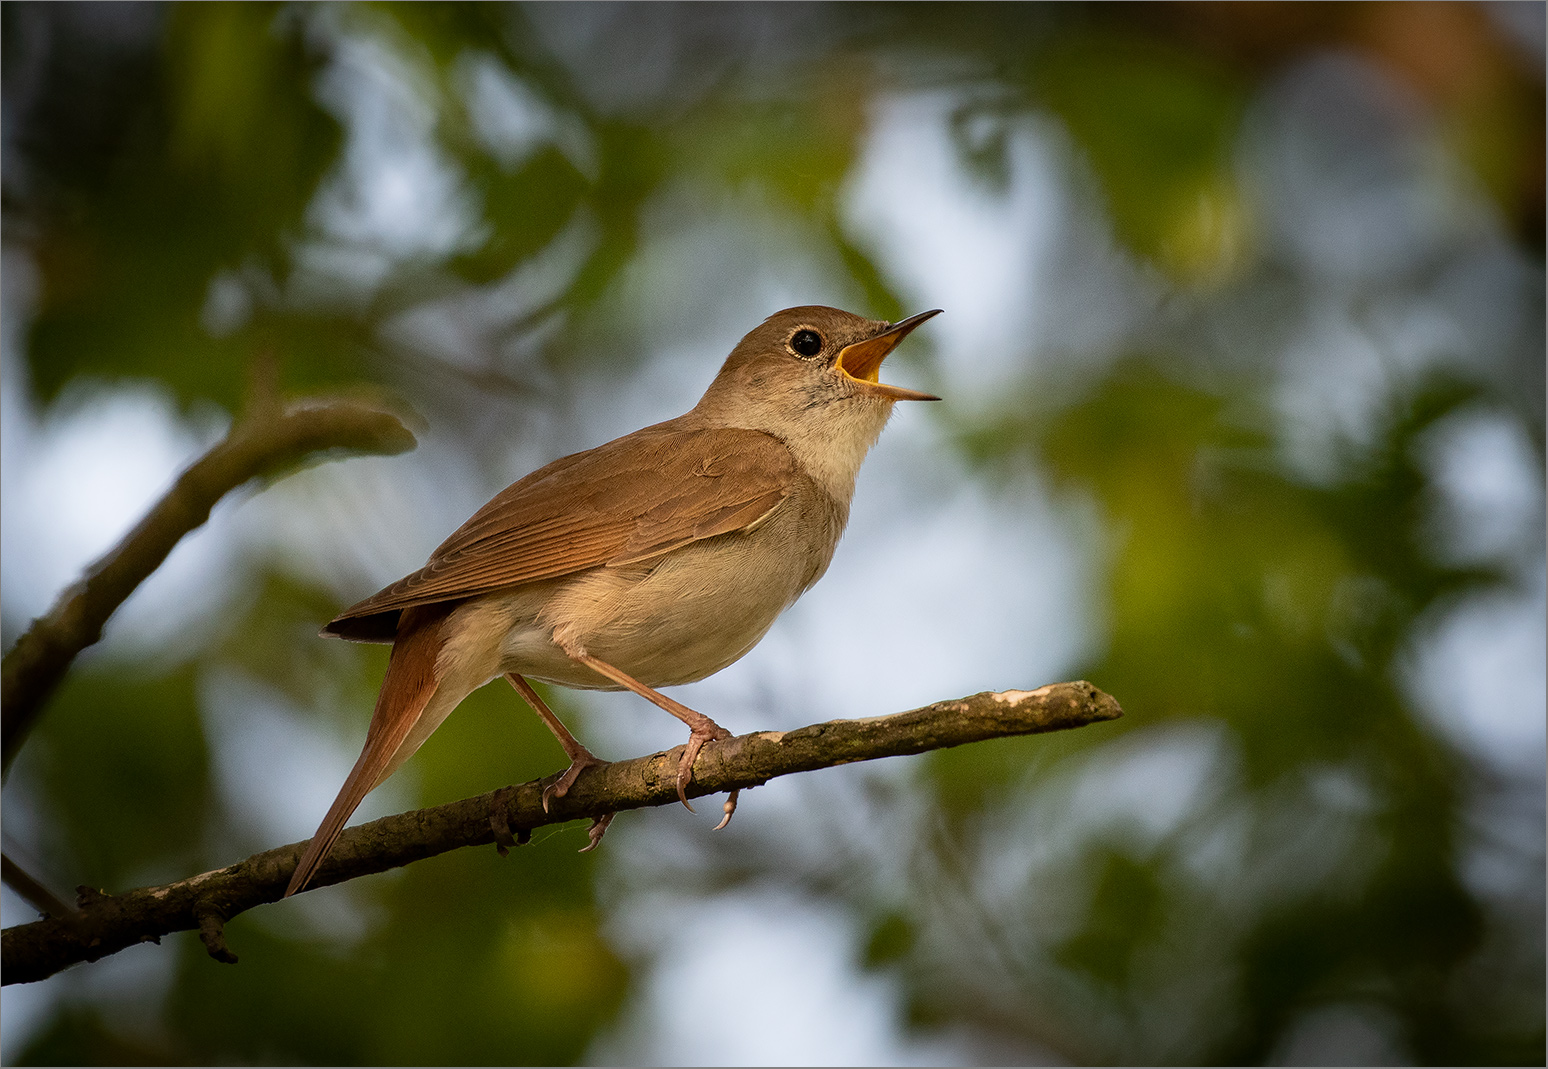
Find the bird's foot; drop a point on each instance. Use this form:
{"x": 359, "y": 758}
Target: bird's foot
{"x": 596, "y": 831}
{"x": 702, "y": 730}
{"x": 580, "y": 760}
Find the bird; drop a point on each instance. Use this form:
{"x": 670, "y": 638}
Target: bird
{"x": 654, "y": 560}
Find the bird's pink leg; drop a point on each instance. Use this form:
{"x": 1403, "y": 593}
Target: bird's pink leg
{"x": 580, "y": 757}
{"x": 701, "y": 729}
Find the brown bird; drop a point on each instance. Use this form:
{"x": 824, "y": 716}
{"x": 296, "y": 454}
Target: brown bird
{"x": 656, "y": 559}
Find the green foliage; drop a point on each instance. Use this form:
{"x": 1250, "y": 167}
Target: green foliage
{"x": 122, "y": 762}
{"x": 500, "y": 970}
{"x": 525, "y": 209}
{"x": 212, "y": 150}
{"x": 1158, "y": 124}
{"x": 1241, "y": 596}
{"x": 1125, "y": 914}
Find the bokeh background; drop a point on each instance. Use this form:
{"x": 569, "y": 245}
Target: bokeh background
{"x": 1243, "y": 363}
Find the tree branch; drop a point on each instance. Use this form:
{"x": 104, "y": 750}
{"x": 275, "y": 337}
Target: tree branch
{"x": 266, "y": 441}
{"x": 105, "y": 924}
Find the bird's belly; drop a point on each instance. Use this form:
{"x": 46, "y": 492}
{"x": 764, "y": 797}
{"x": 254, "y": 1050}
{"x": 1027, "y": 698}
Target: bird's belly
{"x": 665, "y": 622}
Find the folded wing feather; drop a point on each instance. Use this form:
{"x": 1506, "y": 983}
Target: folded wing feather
{"x": 624, "y": 502}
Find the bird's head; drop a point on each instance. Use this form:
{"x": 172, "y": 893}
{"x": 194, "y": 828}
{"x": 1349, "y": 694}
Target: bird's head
{"x": 814, "y": 356}
{"x": 810, "y": 376}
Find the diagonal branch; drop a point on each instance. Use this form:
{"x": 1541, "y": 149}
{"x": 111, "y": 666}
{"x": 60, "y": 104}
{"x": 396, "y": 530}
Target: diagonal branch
{"x": 31, "y": 888}
{"x": 105, "y": 924}
{"x": 265, "y": 442}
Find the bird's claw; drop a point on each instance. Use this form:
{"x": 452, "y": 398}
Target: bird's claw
{"x": 708, "y": 731}
{"x": 596, "y": 831}
{"x": 561, "y": 786}
{"x": 685, "y": 769}
{"x": 729, "y": 807}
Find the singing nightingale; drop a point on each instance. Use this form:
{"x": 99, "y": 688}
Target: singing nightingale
{"x": 656, "y": 559}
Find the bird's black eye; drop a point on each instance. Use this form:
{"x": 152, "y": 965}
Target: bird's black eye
{"x": 806, "y": 342}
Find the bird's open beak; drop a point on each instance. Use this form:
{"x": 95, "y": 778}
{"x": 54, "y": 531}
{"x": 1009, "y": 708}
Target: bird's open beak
{"x": 862, "y": 361}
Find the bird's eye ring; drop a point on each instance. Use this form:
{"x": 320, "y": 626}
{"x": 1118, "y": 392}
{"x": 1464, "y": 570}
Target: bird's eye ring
{"x": 806, "y": 342}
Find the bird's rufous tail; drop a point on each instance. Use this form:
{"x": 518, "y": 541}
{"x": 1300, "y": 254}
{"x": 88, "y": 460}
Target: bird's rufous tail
{"x": 407, "y": 689}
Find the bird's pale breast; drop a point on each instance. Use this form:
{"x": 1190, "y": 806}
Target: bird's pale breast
{"x": 672, "y": 620}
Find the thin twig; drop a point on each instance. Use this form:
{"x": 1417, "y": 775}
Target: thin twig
{"x": 31, "y": 888}
{"x": 105, "y": 924}
{"x": 269, "y": 440}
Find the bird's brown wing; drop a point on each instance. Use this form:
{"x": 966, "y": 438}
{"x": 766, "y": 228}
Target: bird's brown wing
{"x": 624, "y": 502}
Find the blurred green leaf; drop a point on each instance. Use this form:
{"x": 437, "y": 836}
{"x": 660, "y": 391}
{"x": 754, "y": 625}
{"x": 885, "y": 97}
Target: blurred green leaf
{"x": 214, "y": 158}
{"x": 122, "y": 761}
{"x": 1124, "y": 915}
{"x": 525, "y": 210}
{"x": 1158, "y": 125}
